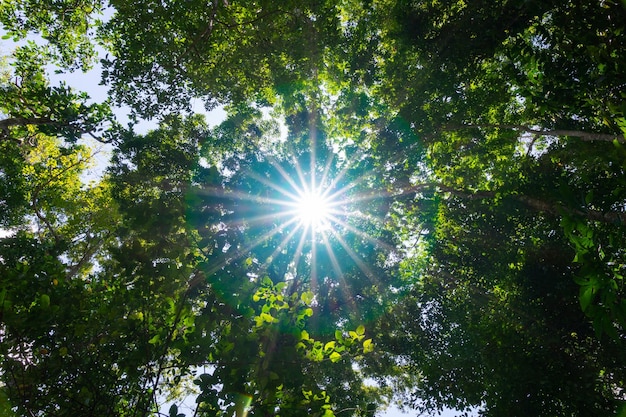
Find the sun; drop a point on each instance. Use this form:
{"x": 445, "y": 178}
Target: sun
{"x": 311, "y": 220}
{"x": 313, "y": 209}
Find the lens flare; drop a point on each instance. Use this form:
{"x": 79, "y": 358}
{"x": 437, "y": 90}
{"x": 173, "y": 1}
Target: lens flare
{"x": 318, "y": 227}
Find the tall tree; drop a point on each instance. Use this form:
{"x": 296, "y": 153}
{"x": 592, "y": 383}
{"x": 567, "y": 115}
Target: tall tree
{"x": 474, "y": 153}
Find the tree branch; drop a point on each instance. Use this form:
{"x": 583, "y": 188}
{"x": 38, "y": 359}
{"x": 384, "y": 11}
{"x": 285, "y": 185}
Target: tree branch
{"x": 90, "y": 251}
{"x": 610, "y": 217}
{"x": 24, "y": 121}
{"x": 586, "y": 136}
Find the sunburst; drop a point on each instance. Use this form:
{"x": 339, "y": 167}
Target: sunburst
{"x": 306, "y": 213}
{"x": 313, "y": 209}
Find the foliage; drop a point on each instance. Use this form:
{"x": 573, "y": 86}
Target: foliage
{"x": 474, "y": 257}
{"x": 158, "y": 62}
{"x": 67, "y": 26}
{"x": 31, "y": 106}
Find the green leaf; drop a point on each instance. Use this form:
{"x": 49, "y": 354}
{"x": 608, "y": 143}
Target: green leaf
{"x": 338, "y": 335}
{"x": 334, "y": 357}
{"x": 360, "y": 330}
{"x": 45, "y": 301}
{"x": 586, "y": 296}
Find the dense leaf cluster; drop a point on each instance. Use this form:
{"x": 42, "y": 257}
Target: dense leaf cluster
{"x": 475, "y": 258}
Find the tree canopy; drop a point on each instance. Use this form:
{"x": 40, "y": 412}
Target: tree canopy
{"x": 469, "y": 253}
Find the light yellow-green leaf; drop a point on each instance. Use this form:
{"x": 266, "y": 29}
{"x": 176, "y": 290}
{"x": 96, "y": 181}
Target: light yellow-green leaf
{"x": 329, "y": 346}
{"x": 307, "y": 297}
{"x": 368, "y": 346}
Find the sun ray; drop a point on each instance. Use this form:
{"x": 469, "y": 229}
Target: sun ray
{"x": 313, "y": 259}
{"x": 337, "y": 269}
{"x": 357, "y": 260}
{"x": 297, "y": 255}
{"x": 279, "y": 248}
{"x": 325, "y": 173}
{"x": 281, "y": 170}
{"x": 241, "y": 252}
{"x": 262, "y": 219}
{"x": 275, "y": 186}
{"x": 243, "y": 196}
{"x": 362, "y": 234}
